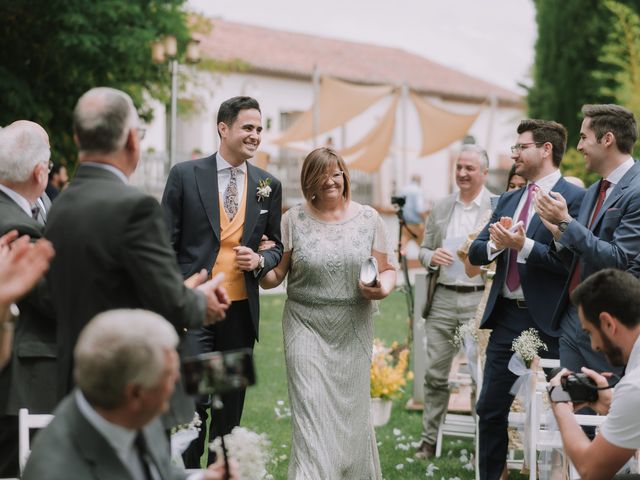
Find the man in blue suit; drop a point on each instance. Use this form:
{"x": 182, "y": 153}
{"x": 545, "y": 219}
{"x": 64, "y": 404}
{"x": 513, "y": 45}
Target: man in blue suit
{"x": 528, "y": 279}
{"x": 606, "y": 233}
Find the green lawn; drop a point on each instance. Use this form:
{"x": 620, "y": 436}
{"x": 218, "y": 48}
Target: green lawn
{"x": 266, "y": 407}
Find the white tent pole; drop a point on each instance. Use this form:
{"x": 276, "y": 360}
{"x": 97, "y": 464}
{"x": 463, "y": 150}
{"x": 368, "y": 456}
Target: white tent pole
{"x": 405, "y": 164}
{"x": 316, "y": 104}
{"x": 493, "y": 105}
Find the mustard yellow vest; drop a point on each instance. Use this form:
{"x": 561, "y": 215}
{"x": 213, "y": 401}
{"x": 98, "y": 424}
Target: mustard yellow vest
{"x": 231, "y": 236}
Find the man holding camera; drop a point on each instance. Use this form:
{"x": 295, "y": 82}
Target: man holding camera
{"x": 608, "y": 306}
{"x": 455, "y": 295}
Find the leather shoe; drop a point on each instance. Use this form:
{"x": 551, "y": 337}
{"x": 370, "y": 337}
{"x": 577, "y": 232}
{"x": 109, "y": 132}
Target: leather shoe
{"x": 425, "y": 451}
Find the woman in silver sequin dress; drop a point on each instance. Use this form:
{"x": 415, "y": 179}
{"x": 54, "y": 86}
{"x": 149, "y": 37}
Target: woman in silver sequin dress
{"x": 327, "y": 323}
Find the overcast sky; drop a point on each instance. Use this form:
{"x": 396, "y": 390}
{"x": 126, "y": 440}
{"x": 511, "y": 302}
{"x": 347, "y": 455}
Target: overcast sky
{"x": 490, "y": 39}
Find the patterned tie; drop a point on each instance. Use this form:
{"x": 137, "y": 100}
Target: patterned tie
{"x": 602, "y": 194}
{"x": 231, "y": 195}
{"x": 513, "y": 275}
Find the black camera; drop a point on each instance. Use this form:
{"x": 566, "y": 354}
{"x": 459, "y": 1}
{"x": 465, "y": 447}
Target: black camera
{"x": 399, "y": 201}
{"x": 218, "y": 372}
{"x": 580, "y": 388}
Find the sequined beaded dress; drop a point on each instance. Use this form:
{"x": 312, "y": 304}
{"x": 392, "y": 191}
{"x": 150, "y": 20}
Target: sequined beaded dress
{"x": 328, "y": 336}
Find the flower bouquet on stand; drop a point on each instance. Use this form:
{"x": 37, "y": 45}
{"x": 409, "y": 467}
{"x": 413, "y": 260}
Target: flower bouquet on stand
{"x": 388, "y": 378}
{"x": 524, "y": 364}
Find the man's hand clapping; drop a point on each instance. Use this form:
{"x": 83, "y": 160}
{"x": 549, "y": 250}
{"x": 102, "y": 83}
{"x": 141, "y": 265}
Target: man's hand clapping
{"x": 217, "y": 299}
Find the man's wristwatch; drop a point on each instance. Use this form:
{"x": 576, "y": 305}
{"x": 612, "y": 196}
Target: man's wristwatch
{"x": 260, "y": 262}
{"x": 563, "y": 225}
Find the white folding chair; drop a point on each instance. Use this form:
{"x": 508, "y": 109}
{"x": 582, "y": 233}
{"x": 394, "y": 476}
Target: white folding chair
{"x": 27, "y": 422}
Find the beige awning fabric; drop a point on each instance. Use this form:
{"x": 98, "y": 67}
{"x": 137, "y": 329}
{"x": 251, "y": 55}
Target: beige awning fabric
{"x": 440, "y": 128}
{"x": 338, "y": 102}
{"x": 261, "y": 160}
{"x": 368, "y": 154}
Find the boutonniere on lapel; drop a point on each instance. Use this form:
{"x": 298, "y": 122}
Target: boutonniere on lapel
{"x": 264, "y": 189}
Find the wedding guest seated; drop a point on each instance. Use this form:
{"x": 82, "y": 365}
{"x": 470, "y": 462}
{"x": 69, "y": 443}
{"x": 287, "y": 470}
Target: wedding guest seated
{"x": 608, "y": 305}
{"x": 126, "y": 367}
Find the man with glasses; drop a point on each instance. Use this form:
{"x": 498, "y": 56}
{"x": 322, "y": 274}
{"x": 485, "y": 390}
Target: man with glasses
{"x": 29, "y": 379}
{"x": 528, "y": 280}
{"x": 606, "y": 232}
{"x": 456, "y": 296}
{"x": 217, "y": 209}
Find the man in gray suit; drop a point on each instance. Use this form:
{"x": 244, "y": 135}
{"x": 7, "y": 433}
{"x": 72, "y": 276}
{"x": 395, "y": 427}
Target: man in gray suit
{"x": 111, "y": 242}
{"x": 126, "y": 367}
{"x": 456, "y": 296}
{"x": 29, "y": 379}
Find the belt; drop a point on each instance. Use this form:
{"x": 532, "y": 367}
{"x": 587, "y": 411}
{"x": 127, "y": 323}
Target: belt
{"x": 463, "y": 288}
{"x": 521, "y": 304}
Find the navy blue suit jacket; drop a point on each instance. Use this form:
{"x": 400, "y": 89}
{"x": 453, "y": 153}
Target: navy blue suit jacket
{"x": 613, "y": 241}
{"x": 543, "y": 275}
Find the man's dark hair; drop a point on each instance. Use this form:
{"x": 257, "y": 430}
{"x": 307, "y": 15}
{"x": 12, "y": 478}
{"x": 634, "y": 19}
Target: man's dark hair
{"x": 55, "y": 170}
{"x": 229, "y": 109}
{"x": 612, "y": 291}
{"x": 544, "y": 131}
{"x": 615, "y": 119}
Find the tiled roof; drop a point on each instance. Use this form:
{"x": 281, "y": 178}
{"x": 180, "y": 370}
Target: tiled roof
{"x": 282, "y": 53}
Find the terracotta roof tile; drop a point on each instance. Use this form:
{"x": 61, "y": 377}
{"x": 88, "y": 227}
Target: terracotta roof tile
{"x": 285, "y": 53}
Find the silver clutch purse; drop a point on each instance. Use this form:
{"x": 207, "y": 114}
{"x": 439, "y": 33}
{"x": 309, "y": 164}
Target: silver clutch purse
{"x": 369, "y": 272}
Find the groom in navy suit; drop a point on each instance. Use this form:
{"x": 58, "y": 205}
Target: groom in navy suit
{"x": 217, "y": 209}
{"x": 528, "y": 280}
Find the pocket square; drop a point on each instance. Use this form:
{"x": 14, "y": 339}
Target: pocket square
{"x": 263, "y": 211}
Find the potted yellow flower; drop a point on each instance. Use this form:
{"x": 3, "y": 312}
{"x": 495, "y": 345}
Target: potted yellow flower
{"x": 388, "y": 377}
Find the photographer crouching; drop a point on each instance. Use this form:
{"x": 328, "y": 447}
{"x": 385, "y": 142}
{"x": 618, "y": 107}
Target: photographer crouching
{"x": 609, "y": 309}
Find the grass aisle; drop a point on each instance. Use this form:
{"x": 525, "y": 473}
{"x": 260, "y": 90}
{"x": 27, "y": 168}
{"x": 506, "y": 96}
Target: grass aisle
{"x": 267, "y": 404}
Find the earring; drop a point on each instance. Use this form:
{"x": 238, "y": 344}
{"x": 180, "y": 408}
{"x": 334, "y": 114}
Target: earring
{"x": 313, "y": 197}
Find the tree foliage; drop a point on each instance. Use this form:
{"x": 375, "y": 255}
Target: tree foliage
{"x": 55, "y": 50}
{"x": 587, "y": 52}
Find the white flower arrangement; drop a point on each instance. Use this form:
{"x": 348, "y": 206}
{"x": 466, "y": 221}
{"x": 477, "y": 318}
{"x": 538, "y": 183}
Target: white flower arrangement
{"x": 527, "y": 345}
{"x": 181, "y": 437}
{"x": 463, "y": 331}
{"x": 264, "y": 189}
{"x": 250, "y": 450}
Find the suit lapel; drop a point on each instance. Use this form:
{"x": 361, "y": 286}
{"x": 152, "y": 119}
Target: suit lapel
{"x": 616, "y": 193}
{"x": 252, "y": 211}
{"x": 588, "y": 202}
{"x": 94, "y": 448}
{"x": 206, "y": 175}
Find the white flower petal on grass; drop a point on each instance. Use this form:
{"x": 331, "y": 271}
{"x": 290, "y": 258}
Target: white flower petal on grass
{"x": 403, "y": 446}
{"x": 416, "y": 444}
{"x": 280, "y": 402}
{"x": 409, "y": 460}
{"x": 469, "y": 466}
{"x": 464, "y": 459}
{"x": 397, "y": 431}
{"x": 400, "y": 466}
{"x": 431, "y": 468}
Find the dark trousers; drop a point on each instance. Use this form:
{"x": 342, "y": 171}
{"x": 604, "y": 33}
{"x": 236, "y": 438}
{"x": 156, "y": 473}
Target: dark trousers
{"x": 575, "y": 347}
{"x": 236, "y": 331}
{"x": 495, "y": 400}
{"x": 9, "y": 467}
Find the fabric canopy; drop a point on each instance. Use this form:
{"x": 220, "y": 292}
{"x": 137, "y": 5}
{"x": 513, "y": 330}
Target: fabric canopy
{"x": 368, "y": 154}
{"x": 337, "y": 103}
{"x": 440, "y": 127}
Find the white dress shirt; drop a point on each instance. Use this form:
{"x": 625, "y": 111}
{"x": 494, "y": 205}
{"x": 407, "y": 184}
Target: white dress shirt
{"x": 224, "y": 175}
{"x": 462, "y": 223}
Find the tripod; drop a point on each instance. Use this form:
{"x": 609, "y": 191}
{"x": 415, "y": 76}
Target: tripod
{"x": 402, "y": 260}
